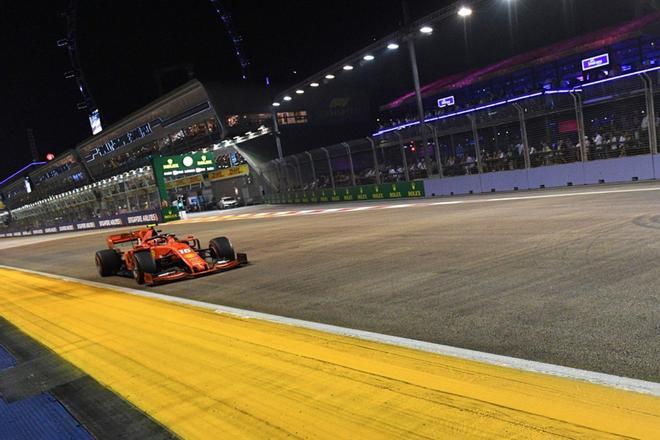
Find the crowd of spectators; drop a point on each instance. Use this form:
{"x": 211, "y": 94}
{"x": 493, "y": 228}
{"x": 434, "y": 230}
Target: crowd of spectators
{"x": 230, "y": 160}
{"x": 461, "y": 158}
{"x": 133, "y": 156}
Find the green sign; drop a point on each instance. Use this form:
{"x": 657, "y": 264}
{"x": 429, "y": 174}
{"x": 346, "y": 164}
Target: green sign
{"x": 389, "y": 191}
{"x": 170, "y": 214}
{"x": 184, "y": 165}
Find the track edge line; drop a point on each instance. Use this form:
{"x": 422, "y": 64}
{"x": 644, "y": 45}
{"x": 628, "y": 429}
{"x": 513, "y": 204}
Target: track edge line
{"x": 604, "y": 379}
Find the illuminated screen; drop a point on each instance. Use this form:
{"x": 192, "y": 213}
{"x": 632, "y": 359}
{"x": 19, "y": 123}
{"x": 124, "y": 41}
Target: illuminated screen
{"x": 446, "y": 102}
{"x": 595, "y": 62}
{"x": 95, "y": 121}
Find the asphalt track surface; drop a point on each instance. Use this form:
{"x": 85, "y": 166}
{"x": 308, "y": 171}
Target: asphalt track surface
{"x": 572, "y": 280}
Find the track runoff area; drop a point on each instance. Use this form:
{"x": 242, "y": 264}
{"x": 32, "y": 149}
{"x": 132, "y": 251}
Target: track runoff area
{"x": 349, "y": 320}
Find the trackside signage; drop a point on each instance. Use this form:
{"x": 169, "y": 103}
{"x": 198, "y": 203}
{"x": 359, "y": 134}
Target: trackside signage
{"x": 389, "y": 191}
{"x": 596, "y": 62}
{"x": 185, "y": 164}
{"x": 228, "y": 173}
{"x": 132, "y": 219}
{"x": 170, "y": 214}
{"x": 180, "y": 167}
{"x": 138, "y": 219}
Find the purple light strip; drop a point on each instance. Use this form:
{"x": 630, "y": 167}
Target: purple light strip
{"x": 556, "y": 92}
{"x": 20, "y": 171}
{"x": 626, "y": 75}
{"x": 398, "y": 127}
{"x": 465, "y": 112}
{"x": 520, "y": 98}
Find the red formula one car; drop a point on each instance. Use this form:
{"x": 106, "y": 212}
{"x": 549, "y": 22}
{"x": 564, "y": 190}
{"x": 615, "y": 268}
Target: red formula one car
{"x": 152, "y": 257}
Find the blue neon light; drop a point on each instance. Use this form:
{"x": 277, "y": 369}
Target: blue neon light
{"x": 627, "y": 75}
{"x": 557, "y": 92}
{"x": 519, "y": 98}
{"x": 20, "y": 171}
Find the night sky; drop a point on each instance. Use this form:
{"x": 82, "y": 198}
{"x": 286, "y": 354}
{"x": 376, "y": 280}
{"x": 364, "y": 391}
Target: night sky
{"x": 123, "y": 42}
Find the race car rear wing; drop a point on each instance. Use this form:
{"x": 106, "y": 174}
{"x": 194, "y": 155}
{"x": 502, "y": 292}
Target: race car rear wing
{"x": 122, "y": 238}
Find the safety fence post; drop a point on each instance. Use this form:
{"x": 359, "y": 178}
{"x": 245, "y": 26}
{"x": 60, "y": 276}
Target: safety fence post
{"x": 298, "y": 171}
{"x": 311, "y": 164}
{"x": 650, "y": 113}
{"x": 523, "y": 134}
{"x": 579, "y": 115}
{"x": 332, "y": 173}
{"x": 477, "y": 147}
{"x": 376, "y": 167}
{"x": 436, "y": 143}
{"x": 404, "y": 160}
{"x": 350, "y": 162}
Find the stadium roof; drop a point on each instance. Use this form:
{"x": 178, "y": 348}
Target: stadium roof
{"x": 584, "y": 43}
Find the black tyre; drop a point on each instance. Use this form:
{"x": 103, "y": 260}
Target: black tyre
{"x": 221, "y": 249}
{"x": 108, "y": 262}
{"x": 143, "y": 263}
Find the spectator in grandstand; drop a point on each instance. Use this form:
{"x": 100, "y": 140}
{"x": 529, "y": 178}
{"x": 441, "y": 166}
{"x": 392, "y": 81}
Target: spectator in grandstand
{"x": 469, "y": 164}
{"x": 547, "y": 154}
{"x": 450, "y": 165}
{"x": 392, "y": 174}
{"x": 629, "y": 144}
{"x": 599, "y": 147}
{"x": 612, "y": 145}
{"x": 586, "y": 143}
{"x": 520, "y": 149}
{"x": 644, "y": 135}
{"x": 645, "y": 122}
{"x": 622, "y": 140}
{"x": 459, "y": 152}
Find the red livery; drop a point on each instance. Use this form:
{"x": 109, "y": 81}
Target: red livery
{"x": 155, "y": 258}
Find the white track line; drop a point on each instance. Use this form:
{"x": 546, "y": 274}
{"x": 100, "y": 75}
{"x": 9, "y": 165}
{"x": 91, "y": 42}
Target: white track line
{"x": 418, "y": 204}
{"x": 458, "y": 202}
{"x": 623, "y": 383}
{"x": 408, "y": 205}
{"x": 573, "y": 194}
{"x": 361, "y": 208}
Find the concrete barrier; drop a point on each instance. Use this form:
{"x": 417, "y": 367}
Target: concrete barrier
{"x": 617, "y": 170}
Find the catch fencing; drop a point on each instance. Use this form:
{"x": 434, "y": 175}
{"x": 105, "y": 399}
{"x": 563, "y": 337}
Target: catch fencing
{"x": 609, "y": 118}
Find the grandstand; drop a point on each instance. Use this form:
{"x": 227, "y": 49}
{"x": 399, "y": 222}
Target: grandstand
{"x": 586, "y": 99}
{"x": 581, "y": 101}
{"x": 109, "y": 176}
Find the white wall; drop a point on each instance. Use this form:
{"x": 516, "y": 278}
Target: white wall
{"x": 622, "y": 169}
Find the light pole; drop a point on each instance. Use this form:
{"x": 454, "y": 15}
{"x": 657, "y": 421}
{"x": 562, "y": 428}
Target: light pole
{"x": 463, "y": 12}
{"x": 276, "y": 132}
{"x": 276, "y": 125}
{"x": 413, "y": 62}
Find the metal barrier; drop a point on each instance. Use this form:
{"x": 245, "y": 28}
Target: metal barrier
{"x": 604, "y": 119}
{"x": 54, "y": 227}
{"x": 385, "y": 191}
{"x": 130, "y": 192}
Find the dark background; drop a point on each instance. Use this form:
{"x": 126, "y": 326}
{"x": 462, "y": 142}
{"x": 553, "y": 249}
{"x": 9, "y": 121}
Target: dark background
{"x": 123, "y": 42}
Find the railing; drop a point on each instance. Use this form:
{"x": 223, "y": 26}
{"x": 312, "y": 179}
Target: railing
{"x": 602, "y": 120}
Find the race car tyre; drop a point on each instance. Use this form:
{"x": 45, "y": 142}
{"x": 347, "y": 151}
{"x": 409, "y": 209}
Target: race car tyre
{"x": 143, "y": 263}
{"x": 108, "y": 262}
{"x": 221, "y": 249}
